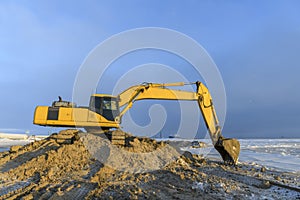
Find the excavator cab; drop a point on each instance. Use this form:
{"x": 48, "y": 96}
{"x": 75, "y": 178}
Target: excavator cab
{"x": 105, "y": 105}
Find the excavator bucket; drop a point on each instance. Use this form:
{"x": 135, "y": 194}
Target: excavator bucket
{"x": 229, "y": 149}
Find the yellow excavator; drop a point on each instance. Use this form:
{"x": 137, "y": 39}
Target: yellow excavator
{"x": 105, "y": 112}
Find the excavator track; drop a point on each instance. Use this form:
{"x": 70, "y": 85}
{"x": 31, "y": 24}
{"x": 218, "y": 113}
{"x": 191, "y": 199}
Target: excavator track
{"x": 117, "y": 137}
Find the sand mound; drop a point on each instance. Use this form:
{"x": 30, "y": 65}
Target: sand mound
{"x": 75, "y": 165}
{"x": 141, "y": 155}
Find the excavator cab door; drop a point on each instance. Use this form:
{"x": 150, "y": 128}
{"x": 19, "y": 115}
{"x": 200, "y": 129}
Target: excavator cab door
{"x": 106, "y": 106}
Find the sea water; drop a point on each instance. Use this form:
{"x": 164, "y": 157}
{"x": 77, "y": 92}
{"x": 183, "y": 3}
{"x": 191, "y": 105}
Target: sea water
{"x": 279, "y": 154}
{"x": 282, "y": 154}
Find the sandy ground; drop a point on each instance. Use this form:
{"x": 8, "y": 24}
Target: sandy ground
{"x": 74, "y": 165}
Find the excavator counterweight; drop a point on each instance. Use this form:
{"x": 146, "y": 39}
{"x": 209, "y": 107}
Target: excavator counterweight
{"x": 105, "y": 112}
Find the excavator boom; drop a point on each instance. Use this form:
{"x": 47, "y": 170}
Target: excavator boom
{"x": 228, "y": 148}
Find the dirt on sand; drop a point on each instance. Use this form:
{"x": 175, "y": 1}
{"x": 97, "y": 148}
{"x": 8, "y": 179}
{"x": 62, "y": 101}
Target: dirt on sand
{"x": 76, "y": 165}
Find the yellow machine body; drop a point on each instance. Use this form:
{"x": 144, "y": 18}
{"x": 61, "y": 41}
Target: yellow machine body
{"x": 67, "y": 114}
{"x": 70, "y": 117}
{"x": 104, "y": 112}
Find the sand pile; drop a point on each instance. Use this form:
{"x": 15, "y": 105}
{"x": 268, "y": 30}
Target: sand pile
{"x": 75, "y": 165}
{"x": 140, "y": 155}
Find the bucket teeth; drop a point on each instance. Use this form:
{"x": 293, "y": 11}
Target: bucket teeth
{"x": 229, "y": 149}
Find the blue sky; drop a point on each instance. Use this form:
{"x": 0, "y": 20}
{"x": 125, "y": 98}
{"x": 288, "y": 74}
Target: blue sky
{"x": 255, "y": 45}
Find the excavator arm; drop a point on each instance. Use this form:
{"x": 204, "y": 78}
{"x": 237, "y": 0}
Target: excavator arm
{"x": 228, "y": 148}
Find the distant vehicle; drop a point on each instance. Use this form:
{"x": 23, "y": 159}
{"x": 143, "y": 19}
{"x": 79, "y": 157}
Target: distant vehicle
{"x": 198, "y": 144}
{"x": 174, "y": 136}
